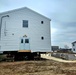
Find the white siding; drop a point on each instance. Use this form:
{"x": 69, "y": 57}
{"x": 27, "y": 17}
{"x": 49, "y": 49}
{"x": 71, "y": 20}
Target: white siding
{"x": 35, "y": 30}
{"x": 74, "y": 48}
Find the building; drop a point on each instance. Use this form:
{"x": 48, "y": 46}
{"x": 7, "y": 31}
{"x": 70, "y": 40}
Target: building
{"x": 55, "y": 48}
{"x": 74, "y": 46}
{"x": 63, "y": 50}
{"x": 24, "y": 29}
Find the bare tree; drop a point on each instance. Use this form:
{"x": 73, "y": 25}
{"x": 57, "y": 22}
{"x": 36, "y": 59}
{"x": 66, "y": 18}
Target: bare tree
{"x": 66, "y": 46}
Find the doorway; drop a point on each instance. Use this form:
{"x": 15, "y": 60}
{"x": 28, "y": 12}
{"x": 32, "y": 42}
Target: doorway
{"x": 24, "y": 43}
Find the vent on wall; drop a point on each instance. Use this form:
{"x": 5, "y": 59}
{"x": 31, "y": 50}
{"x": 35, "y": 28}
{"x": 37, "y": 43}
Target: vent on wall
{"x": 42, "y": 38}
{"x": 42, "y": 22}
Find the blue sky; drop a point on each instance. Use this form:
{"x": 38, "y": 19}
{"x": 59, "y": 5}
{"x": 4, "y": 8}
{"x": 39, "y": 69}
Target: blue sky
{"x": 61, "y": 12}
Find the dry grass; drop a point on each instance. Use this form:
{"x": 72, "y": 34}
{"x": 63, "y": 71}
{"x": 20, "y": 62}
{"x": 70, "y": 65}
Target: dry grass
{"x": 47, "y": 67}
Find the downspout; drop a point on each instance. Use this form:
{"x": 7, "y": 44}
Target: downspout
{"x": 1, "y": 23}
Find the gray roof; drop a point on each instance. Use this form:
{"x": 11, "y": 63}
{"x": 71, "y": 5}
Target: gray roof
{"x": 73, "y": 42}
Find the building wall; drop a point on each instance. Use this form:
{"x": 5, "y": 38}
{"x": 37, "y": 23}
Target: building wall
{"x": 74, "y": 47}
{"x": 12, "y": 25}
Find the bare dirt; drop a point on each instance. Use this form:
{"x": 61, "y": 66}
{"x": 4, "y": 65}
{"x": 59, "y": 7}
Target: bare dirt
{"x": 43, "y": 67}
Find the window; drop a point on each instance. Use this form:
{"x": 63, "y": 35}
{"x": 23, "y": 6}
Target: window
{"x": 42, "y": 38}
{"x": 42, "y": 22}
{"x": 73, "y": 49}
{"x": 25, "y": 23}
{"x": 73, "y": 44}
{"x": 26, "y": 40}
{"x": 12, "y": 33}
{"x": 21, "y": 40}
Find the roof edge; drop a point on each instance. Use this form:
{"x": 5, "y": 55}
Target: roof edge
{"x": 73, "y": 42}
{"x": 23, "y": 8}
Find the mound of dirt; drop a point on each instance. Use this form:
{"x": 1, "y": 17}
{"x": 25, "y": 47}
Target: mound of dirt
{"x": 47, "y": 67}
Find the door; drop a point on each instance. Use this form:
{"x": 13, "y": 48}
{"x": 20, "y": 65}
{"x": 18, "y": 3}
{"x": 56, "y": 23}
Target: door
{"x": 24, "y": 44}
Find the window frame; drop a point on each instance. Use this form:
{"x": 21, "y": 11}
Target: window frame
{"x": 73, "y": 44}
{"x": 26, "y": 40}
{"x": 73, "y": 49}
{"x": 25, "y": 23}
{"x": 21, "y": 40}
{"x": 42, "y": 22}
{"x": 42, "y": 38}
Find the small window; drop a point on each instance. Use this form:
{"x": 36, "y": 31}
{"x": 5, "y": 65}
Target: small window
{"x": 73, "y": 44}
{"x": 26, "y": 40}
{"x": 25, "y": 23}
{"x": 73, "y": 49}
{"x": 42, "y": 22}
{"x": 12, "y": 33}
{"x": 21, "y": 40}
{"x": 42, "y": 38}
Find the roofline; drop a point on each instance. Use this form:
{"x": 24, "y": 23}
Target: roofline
{"x": 23, "y": 8}
{"x": 74, "y": 42}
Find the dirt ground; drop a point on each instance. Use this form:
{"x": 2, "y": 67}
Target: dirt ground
{"x": 43, "y": 67}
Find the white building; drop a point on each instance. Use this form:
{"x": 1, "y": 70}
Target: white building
{"x": 74, "y": 46}
{"x": 24, "y": 29}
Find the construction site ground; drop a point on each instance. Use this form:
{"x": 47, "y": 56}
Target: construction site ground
{"x": 48, "y": 56}
{"x": 53, "y": 66}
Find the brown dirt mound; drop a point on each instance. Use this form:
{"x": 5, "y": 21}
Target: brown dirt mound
{"x": 47, "y": 67}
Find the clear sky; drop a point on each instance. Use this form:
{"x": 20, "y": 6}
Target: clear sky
{"x": 61, "y": 12}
